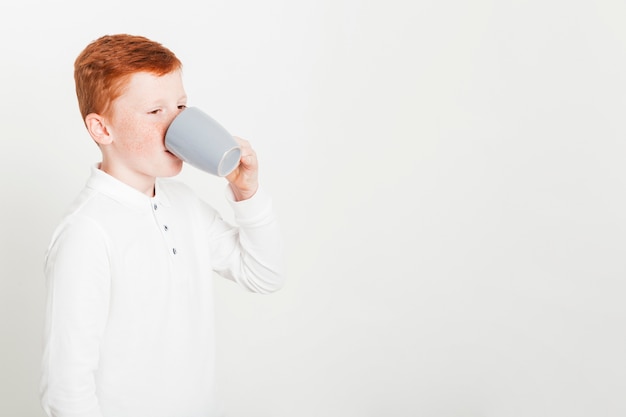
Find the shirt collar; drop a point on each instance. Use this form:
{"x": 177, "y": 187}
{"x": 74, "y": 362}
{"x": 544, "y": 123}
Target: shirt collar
{"x": 124, "y": 193}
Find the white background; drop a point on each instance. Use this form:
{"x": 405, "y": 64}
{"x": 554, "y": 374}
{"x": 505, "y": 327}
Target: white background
{"x": 449, "y": 177}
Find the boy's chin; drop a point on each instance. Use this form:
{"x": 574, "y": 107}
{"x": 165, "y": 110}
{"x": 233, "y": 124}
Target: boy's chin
{"x": 173, "y": 170}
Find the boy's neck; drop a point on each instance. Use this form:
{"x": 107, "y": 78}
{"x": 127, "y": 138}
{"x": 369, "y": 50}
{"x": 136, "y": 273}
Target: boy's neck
{"x": 142, "y": 183}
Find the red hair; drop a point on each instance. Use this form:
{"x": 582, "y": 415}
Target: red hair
{"x": 103, "y": 68}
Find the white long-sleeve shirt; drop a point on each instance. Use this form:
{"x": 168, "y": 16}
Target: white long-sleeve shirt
{"x": 129, "y": 320}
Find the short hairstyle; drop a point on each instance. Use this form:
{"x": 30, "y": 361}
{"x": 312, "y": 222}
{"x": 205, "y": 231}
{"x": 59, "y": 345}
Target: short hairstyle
{"x": 103, "y": 68}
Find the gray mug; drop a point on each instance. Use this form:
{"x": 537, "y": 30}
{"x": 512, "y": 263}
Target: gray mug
{"x": 202, "y": 142}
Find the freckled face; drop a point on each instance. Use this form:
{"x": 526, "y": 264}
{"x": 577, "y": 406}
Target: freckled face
{"x": 137, "y": 125}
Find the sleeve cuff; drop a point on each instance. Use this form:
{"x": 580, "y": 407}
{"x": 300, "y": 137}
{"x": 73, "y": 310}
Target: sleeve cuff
{"x": 253, "y": 210}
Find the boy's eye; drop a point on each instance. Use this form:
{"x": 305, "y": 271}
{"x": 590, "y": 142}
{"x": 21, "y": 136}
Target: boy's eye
{"x": 182, "y": 106}
{"x": 156, "y": 111}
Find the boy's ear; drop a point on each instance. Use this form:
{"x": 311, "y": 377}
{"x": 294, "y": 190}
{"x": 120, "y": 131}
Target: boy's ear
{"x": 97, "y": 129}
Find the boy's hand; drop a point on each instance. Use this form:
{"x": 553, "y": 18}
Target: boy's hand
{"x": 244, "y": 180}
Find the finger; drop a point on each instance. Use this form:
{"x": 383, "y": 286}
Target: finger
{"x": 243, "y": 144}
{"x": 249, "y": 161}
{"x": 248, "y": 155}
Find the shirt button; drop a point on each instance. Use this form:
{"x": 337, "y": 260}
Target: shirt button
{"x": 155, "y": 206}
{"x": 174, "y": 251}
{"x": 165, "y": 227}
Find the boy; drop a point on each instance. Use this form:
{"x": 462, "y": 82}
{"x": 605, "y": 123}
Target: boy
{"x": 129, "y": 319}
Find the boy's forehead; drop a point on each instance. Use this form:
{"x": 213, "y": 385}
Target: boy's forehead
{"x": 148, "y": 86}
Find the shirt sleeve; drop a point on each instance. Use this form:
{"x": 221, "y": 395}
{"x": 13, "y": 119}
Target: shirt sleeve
{"x": 78, "y": 288}
{"x": 249, "y": 253}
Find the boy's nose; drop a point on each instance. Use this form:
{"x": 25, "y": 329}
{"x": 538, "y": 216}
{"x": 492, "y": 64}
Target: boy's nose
{"x": 173, "y": 115}
{"x": 176, "y": 112}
